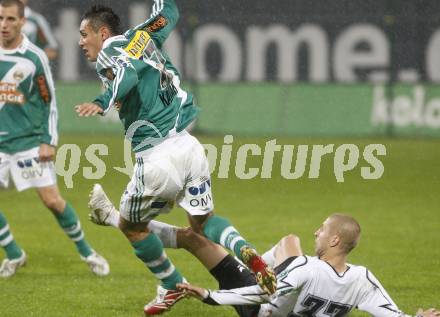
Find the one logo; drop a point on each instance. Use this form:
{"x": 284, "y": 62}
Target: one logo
{"x": 138, "y": 44}
{"x": 28, "y": 163}
{"x": 202, "y": 195}
{"x": 121, "y": 60}
{"x": 30, "y": 170}
{"x": 43, "y": 88}
{"x": 201, "y": 189}
{"x": 156, "y": 25}
{"x": 18, "y": 76}
{"x": 10, "y": 94}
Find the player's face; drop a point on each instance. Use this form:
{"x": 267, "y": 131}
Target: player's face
{"x": 90, "y": 41}
{"x": 10, "y": 26}
{"x": 322, "y": 238}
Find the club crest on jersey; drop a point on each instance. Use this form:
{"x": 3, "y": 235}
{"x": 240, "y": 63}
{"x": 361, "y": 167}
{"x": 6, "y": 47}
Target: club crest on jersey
{"x": 18, "y": 76}
{"x": 156, "y": 25}
{"x": 10, "y": 94}
{"x": 137, "y": 45}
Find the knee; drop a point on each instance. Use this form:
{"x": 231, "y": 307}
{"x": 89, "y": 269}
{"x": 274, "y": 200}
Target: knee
{"x": 289, "y": 245}
{"x": 134, "y": 232}
{"x": 55, "y": 203}
{"x": 198, "y": 222}
{"x": 189, "y": 240}
{"x": 290, "y": 240}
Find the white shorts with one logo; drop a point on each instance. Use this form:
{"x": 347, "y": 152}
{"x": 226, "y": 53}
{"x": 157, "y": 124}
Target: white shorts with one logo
{"x": 26, "y": 170}
{"x": 174, "y": 171}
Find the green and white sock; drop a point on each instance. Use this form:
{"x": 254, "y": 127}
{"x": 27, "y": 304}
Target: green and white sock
{"x": 220, "y": 230}
{"x": 150, "y": 251}
{"x": 7, "y": 242}
{"x": 69, "y": 222}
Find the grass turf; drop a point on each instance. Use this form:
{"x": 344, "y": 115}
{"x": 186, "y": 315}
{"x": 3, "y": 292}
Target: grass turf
{"x": 399, "y": 215}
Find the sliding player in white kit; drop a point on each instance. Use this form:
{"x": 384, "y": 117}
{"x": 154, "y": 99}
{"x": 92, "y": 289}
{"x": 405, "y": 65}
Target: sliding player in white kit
{"x": 323, "y": 285}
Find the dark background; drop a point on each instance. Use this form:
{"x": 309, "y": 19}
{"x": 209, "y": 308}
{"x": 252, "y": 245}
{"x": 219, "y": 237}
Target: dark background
{"x": 408, "y": 25}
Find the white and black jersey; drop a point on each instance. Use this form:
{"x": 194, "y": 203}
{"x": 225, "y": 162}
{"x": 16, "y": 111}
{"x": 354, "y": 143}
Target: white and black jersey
{"x": 308, "y": 286}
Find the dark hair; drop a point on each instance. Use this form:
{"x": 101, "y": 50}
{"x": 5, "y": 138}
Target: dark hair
{"x": 100, "y": 15}
{"x": 10, "y": 3}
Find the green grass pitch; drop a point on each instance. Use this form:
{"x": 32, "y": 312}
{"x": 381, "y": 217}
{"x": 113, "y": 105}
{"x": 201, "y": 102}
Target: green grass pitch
{"x": 399, "y": 215}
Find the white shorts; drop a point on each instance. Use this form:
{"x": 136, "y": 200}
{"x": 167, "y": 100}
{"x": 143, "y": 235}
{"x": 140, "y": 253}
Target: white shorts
{"x": 26, "y": 170}
{"x": 175, "y": 170}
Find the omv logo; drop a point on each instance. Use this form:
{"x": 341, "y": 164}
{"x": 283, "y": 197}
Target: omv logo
{"x": 201, "y": 189}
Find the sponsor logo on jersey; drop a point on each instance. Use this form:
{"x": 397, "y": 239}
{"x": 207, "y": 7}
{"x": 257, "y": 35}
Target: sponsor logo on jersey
{"x": 137, "y": 45}
{"x": 156, "y": 25}
{"x": 121, "y": 60}
{"x": 42, "y": 87}
{"x": 10, "y": 94}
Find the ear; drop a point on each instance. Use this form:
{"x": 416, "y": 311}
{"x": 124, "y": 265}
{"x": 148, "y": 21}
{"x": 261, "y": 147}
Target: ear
{"x": 104, "y": 33}
{"x": 334, "y": 241}
{"x": 22, "y": 21}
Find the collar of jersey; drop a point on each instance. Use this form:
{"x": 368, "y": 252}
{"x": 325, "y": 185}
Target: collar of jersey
{"x": 21, "y": 48}
{"x": 112, "y": 39}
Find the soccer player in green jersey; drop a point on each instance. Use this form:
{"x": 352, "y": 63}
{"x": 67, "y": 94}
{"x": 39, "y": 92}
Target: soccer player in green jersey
{"x": 28, "y": 136}
{"x": 171, "y": 166}
{"x": 38, "y": 31}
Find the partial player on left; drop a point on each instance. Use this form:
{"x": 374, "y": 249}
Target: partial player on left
{"x": 28, "y": 136}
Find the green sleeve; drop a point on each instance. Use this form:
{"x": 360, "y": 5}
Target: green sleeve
{"x": 103, "y": 100}
{"x": 162, "y": 21}
{"x": 124, "y": 77}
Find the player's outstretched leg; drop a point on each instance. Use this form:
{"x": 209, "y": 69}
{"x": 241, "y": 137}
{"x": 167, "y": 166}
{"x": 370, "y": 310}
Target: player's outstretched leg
{"x": 104, "y": 213}
{"x": 149, "y": 249}
{"x": 15, "y": 256}
{"x": 220, "y": 230}
{"x": 69, "y": 222}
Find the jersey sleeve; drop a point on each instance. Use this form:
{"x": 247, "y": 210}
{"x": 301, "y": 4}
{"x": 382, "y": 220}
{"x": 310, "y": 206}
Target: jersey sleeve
{"x": 376, "y": 300}
{"x": 250, "y": 295}
{"x": 103, "y": 100}
{"x": 289, "y": 284}
{"x": 46, "y": 89}
{"x": 162, "y": 21}
{"x": 281, "y": 303}
{"x": 118, "y": 75}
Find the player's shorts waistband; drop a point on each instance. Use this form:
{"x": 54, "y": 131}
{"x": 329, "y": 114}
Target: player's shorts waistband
{"x": 169, "y": 137}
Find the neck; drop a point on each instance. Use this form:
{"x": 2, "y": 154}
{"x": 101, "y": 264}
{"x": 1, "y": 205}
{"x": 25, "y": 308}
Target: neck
{"x": 338, "y": 262}
{"x": 12, "y": 44}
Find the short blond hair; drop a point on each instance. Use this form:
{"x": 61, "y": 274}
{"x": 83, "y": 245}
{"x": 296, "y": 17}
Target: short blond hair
{"x": 348, "y": 230}
{"x": 11, "y": 3}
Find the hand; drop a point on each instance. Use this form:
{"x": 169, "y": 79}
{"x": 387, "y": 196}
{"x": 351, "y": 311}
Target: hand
{"x": 46, "y": 152}
{"x": 432, "y": 312}
{"x": 197, "y": 292}
{"x": 88, "y": 109}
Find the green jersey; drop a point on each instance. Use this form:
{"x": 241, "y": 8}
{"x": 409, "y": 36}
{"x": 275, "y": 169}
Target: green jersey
{"x": 142, "y": 83}
{"x": 28, "y": 113}
{"x": 38, "y": 30}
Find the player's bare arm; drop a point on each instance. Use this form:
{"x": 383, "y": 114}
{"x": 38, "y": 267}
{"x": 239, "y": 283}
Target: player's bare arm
{"x": 88, "y": 109}
{"x": 194, "y": 291}
{"x": 46, "y": 152}
{"x": 432, "y": 312}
